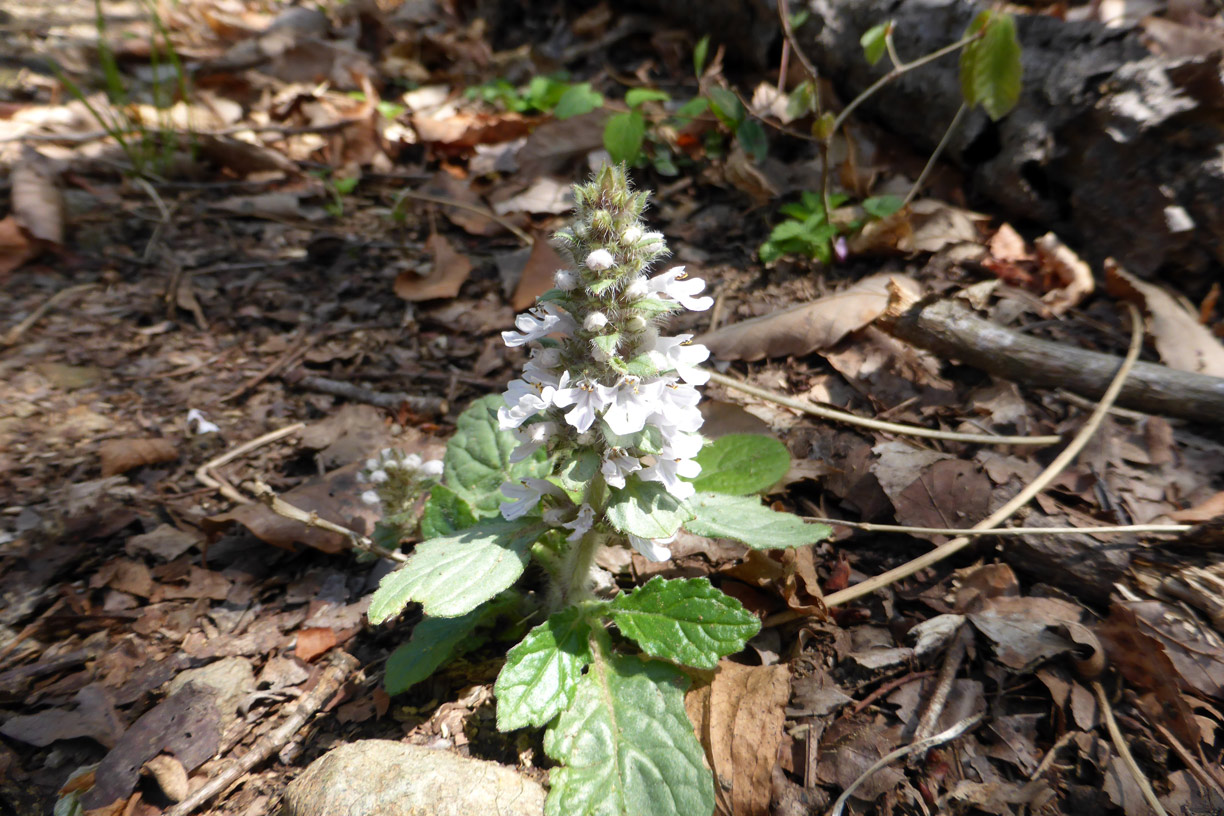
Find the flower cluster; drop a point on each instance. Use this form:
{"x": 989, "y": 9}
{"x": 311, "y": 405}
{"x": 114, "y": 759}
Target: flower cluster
{"x": 601, "y": 382}
{"x": 396, "y": 478}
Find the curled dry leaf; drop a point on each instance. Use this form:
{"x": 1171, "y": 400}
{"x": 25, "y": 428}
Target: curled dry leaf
{"x": 122, "y": 455}
{"x": 1183, "y": 342}
{"x": 1068, "y": 280}
{"x": 807, "y": 327}
{"x": 538, "y": 274}
{"x": 38, "y": 204}
{"x": 447, "y": 275}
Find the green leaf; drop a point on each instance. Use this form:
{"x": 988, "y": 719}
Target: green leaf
{"x": 577, "y": 100}
{"x": 769, "y": 252}
{"x": 802, "y": 100}
{"x": 882, "y": 206}
{"x": 693, "y": 108}
{"x": 627, "y": 747}
{"x": 607, "y": 342}
{"x": 646, "y": 509}
{"x": 686, "y": 621}
{"x": 752, "y": 139}
{"x": 445, "y": 513}
{"x": 638, "y": 96}
{"x": 452, "y": 575}
{"x": 543, "y": 94}
{"x": 579, "y": 470}
{"x": 623, "y": 136}
{"x": 874, "y": 41}
{"x": 700, "y": 52}
{"x": 745, "y": 519}
{"x": 739, "y": 464}
{"x": 726, "y": 106}
{"x": 542, "y": 672}
{"x": 990, "y": 67}
{"x": 477, "y": 460}
{"x": 434, "y": 641}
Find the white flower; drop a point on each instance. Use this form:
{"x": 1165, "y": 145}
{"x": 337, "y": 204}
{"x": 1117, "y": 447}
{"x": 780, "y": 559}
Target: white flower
{"x": 565, "y": 280}
{"x": 587, "y": 400}
{"x": 677, "y": 410}
{"x": 637, "y": 289}
{"x": 581, "y": 524}
{"x": 595, "y": 321}
{"x": 412, "y": 461}
{"x": 682, "y": 355}
{"x": 632, "y": 235}
{"x": 526, "y": 495}
{"x": 370, "y": 497}
{"x": 617, "y": 466}
{"x": 652, "y": 549}
{"x": 653, "y": 238}
{"x": 675, "y": 461}
{"x": 630, "y": 402}
{"x": 533, "y": 327}
{"x": 373, "y": 464}
{"x": 203, "y": 426}
{"x": 432, "y": 468}
{"x": 599, "y": 260}
{"x": 378, "y": 476}
{"x": 524, "y": 400}
{"x": 530, "y": 438}
{"x": 672, "y": 284}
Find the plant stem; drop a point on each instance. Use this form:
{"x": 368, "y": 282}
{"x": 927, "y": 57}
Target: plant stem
{"x": 576, "y": 566}
{"x": 939, "y": 149}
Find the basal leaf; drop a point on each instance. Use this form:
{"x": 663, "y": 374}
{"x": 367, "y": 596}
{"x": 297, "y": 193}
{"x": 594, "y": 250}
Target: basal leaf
{"x": 542, "y": 672}
{"x": 739, "y": 464}
{"x": 445, "y": 513}
{"x": 452, "y": 575}
{"x": 623, "y": 135}
{"x": 577, "y": 100}
{"x": 686, "y": 621}
{"x": 646, "y": 509}
{"x": 477, "y": 460}
{"x": 627, "y": 747}
{"x": 434, "y": 641}
{"x": 745, "y": 519}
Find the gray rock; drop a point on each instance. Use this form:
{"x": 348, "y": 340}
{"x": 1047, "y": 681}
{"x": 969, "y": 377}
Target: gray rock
{"x": 385, "y": 778}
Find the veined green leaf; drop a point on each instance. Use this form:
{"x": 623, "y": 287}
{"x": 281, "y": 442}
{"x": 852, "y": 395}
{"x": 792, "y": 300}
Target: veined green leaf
{"x": 990, "y": 67}
{"x": 739, "y": 464}
{"x": 686, "y": 621}
{"x": 639, "y": 96}
{"x": 541, "y": 673}
{"x": 745, "y": 519}
{"x": 445, "y": 513}
{"x": 646, "y": 509}
{"x": 577, "y": 100}
{"x": 434, "y": 642}
{"x": 477, "y": 461}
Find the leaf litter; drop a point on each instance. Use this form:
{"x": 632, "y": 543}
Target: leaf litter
{"x": 118, "y": 568}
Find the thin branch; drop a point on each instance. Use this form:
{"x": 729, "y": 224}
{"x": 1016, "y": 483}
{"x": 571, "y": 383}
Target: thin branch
{"x": 14, "y": 334}
{"x": 877, "y": 425}
{"x": 1002, "y": 531}
{"x": 205, "y": 476}
{"x": 1123, "y": 750}
{"x": 292, "y": 512}
{"x": 934, "y": 157}
{"x": 1022, "y": 498}
{"x": 472, "y": 208}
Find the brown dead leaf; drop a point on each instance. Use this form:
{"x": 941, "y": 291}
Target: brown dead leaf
{"x": 1203, "y": 511}
{"x": 1026, "y": 630}
{"x": 807, "y": 327}
{"x": 170, "y": 776}
{"x": 448, "y": 273}
{"x": 314, "y": 641}
{"x": 92, "y": 716}
{"x": 1067, "y": 279}
{"x": 276, "y": 206}
{"x": 554, "y": 145}
{"x": 743, "y": 719}
{"x": 850, "y": 746}
{"x": 122, "y": 455}
{"x": 937, "y": 224}
{"x": 538, "y": 274}
{"x": 201, "y": 583}
{"x": 38, "y": 204}
{"x": 1183, "y": 342}
{"x": 243, "y": 158}
{"x": 349, "y": 434}
{"x": 15, "y": 247}
{"x": 124, "y": 575}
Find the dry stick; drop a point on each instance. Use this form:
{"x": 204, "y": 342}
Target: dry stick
{"x": 914, "y": 747}
{"x": 341, "y": 665}
{"x": 472, "y": 208}
{"x": 1123, "y": 750}
{"x": 14, "y": 334}
{"x": 1024, "y": 496}
{"x": 938, "y": 698}
{"x": 292, "y": 512}
{"x": 877, "y": 425}
{"x": 950, "y": 330}
{"x": 1002, "y": 531}
{"x": 204, "y": 473}
{"x": 1195, "y": 767}
{"x": 380, "y": 399}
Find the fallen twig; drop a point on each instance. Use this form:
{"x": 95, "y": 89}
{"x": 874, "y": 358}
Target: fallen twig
{"x": 878, "y": 425}
{"x": 949, "y": 329}
{"x": 205, "y": 476}
{"x": 14, "y": 334}
{"x": 1002, "y": 531}
{"x": 340, "y": 666}
{"x": 1123, "y": 750}
{"x": 435, "y": 406}
{"x": 312, "y": 519}
{"x": 1020, "y": 499}
{"x": 472, "y": 208}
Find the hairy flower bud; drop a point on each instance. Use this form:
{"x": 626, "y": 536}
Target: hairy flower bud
{"x": 565, "y": 280}
{"x": 600, "y": 260}
{"x": 595, "y": 321}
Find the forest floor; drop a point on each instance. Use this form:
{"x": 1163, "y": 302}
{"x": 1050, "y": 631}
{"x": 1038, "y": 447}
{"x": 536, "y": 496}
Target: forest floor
{"x": 326, "y": 236}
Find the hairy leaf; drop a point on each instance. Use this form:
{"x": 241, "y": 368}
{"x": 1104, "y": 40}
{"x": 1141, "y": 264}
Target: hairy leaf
{"x": 646, "y": 509}
{"x": 745, "y": 519}
{"x": 686, "y": 621}
{"x": 542, "y": 672}
{"x": 434, "y": 641}
{"x": 445, "y": 513}
{"x": 477, "y": 460}
{"x": 739, "y": 464}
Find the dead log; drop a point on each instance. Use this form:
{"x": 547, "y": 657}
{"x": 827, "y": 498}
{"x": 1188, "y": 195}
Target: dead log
{"x": 949, "y": 329}
{"x": 1117, "y": 150}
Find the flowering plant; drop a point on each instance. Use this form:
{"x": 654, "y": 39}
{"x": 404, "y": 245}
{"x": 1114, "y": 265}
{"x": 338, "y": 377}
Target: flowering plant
{"x": 597, "y": 444}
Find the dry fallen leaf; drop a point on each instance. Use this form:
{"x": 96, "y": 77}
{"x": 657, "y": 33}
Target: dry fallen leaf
{"x": 313, "y": 642}
{"x": 122, "y": 455}
{"x": 1068, "y": 279}
{"x": 447, "y": 275}
{"x": 807, "y": 327}
{"x": 15, "y": 247}
{"x": 38, "y": 204}
{"x": 538, "y": 274}
{"x": 1183, "y": 342}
